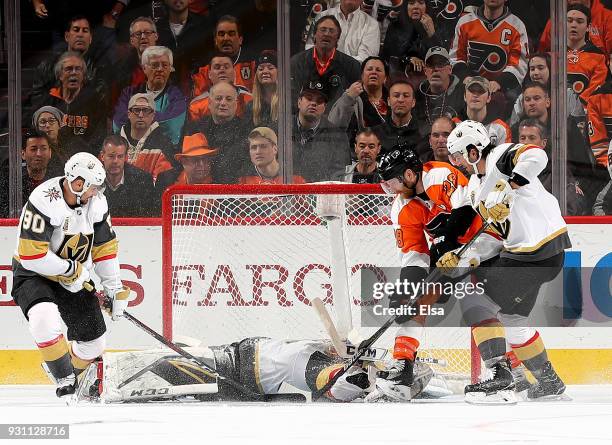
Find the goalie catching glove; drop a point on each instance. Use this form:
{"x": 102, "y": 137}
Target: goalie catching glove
{"x": 116, "y": 301}
{"x": 75, "y": 277}
{"x": 499, "y": 202}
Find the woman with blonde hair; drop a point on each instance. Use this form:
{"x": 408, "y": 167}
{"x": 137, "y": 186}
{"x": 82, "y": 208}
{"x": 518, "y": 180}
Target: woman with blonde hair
{"x": 263, "y": 110}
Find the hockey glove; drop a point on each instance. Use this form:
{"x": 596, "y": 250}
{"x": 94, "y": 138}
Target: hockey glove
{"x": 74, "y": 278}
{"x": 116, "y": 301}
{"x": 440, "y": 246}
{"x": 453, "y": 266}
{"x": 351, "y": 385}
{"x": 499, "y": 201}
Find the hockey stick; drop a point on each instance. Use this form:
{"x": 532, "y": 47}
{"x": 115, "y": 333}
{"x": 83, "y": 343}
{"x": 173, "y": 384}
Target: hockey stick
{"x": 252, "y": 395}
{"x": 365, "y": 344}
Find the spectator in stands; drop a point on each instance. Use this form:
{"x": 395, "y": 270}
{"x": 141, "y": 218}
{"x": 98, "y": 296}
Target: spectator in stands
{"x": 600, "y": 33}
{"x": 531, "y": 131}
{"x": 85, "y": 110}
{"x": 445, "y": 15}
{"x": 224, "y": 131}
{"x": 264, "y": 167}
{"x": 581, "y": 161}
{"x": 50, "y": 120}
{"x": 409, "y": 38}
{"x": 440, "y": 129}
{"x": 536, "y": 103}
{"x": 587, "y": 65}
{"x": 185, "y": 34}
{"x": 539, "y": 72}
{"x": 319, "y": 150}
{"x": 196, "y": 161}
{"x": 365, "y": 169}
{"x": 36, "y": 154}
{"x": 441, "y": 94}
{"x": 129, "y": 72}
{"x": 364, "y": 103}
{"x": 360, "y": 35}
{"x": 79, "y": 39}
{"x": 263, "y": 109}
{"x": 170, "y": 103}
{"x": 477, "y": 96}
{"x": 599, "y": 115}
{"x": 148, "y": 148}
{"x": 221, "y": 70}
{"x": 603, "y": 202}
{"x": 228, "y": 41}
{"x": 128, "y": 190}
{"x": 498, "y": 53}
{"x": 400, "y": 125}
{"x": 324, "y": 62}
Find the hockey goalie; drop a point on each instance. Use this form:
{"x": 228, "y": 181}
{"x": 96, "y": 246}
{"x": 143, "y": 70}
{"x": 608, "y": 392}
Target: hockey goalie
{"x": 261, "y": 364}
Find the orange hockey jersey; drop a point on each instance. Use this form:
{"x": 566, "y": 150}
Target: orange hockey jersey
{"x": 414, "y": 219}
{"x": 599, "y": 115}
{"x": 587, "y": 69}
{"x": 600, "y": 30}
{"x": 495, "y": 49}
{"x": 245, "y": 76}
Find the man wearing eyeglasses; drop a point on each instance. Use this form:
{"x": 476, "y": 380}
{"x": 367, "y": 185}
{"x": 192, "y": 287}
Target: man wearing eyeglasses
{"x": 84, "y": 108}
{"x": 148, "y": 147}
{"x": 170, "y": 103}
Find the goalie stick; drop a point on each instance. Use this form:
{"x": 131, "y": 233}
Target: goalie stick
{"x": 242, "y": 389}
{"x": 252, "y": 395}
{"x": 365, "y": 345}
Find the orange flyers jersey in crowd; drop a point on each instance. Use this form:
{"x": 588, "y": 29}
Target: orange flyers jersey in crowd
{"x": 200, "y": 106}
{"x": 587, "y": 69}
{"x": 245, "y": 76}
{"x": 599, "y": 115}
{"x": 491, "y": 48}
{"x": 600, "y": 29}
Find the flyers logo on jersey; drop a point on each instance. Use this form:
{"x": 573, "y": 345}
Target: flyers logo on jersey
{"x": 486, "y": 57}
{"x": 578, "y": 82}
{"x": 76, "y": 247}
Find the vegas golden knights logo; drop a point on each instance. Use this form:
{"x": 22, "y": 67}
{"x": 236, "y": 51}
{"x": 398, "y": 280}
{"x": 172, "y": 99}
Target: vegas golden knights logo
{"x": 76, "y": 247}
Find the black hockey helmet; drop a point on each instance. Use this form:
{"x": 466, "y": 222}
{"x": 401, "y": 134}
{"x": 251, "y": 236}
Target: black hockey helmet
{"x": 397, "y": 161}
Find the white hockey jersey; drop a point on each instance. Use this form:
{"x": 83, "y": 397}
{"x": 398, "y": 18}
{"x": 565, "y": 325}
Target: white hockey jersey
{"x": 535, "y": 229}
{"x": 51, "y": 231}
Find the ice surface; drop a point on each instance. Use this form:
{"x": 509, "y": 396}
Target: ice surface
{"x": 585, "y": 419}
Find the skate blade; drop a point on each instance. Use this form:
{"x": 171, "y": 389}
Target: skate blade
{"x": 506, "y": 397}
{"x": 553, "y": 398}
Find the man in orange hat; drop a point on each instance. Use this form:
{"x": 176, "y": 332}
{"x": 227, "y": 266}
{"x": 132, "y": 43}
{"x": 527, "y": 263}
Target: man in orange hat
{"x": 196, "y": 159}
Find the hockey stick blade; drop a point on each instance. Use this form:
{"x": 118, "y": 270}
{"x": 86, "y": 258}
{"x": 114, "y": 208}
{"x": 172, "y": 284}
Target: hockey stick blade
{"x": 365, "y": 344}
{"x": 242, "y": 389}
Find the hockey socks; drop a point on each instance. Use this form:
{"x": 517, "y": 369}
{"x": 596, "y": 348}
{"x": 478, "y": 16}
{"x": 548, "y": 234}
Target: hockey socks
{"x": 489, "y": 336}
{"x": 532, "y": 353}
{"x": 56, "y": 355}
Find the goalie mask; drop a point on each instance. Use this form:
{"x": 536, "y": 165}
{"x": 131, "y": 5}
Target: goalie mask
{"x": 87, "y": 167}
{"x": 468, "y": 133}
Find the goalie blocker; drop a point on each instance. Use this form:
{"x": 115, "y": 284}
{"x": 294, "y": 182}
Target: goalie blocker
{"x": 261, "y": 364}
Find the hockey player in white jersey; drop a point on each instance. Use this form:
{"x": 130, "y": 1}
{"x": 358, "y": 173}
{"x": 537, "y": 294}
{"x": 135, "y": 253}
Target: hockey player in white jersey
{"x": 259, "y": 363}
{"x": 505, "y": 190}
{"x": 64, "y": 233}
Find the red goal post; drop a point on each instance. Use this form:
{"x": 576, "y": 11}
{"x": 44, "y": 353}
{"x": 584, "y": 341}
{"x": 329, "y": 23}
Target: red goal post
{"x": 242, "y": 260}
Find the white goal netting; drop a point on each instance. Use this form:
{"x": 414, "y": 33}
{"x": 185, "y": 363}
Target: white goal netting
{"x": 246, "y": 261}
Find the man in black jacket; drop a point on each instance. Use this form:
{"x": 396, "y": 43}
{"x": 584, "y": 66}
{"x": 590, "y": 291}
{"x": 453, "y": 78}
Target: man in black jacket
{"x": 324, "y": 62}
{"x": 401, "y": 127}
{"x": 128, "y": 190}
{"x": 225, "y": 132}
{"x": 319, "y": 150}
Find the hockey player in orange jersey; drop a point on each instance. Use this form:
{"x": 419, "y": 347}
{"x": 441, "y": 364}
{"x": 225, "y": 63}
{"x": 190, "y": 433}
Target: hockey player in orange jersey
{"x": 426, "y": 196}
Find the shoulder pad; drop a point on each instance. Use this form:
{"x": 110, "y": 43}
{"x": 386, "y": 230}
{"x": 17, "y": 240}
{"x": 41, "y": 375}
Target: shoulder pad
{"x": 48, "y": 199}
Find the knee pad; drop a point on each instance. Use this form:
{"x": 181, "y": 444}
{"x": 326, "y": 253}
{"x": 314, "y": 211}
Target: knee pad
{"x": 44, "y": 321}
{"x": 519, "y": 335}
{"x": 89, "y": 350}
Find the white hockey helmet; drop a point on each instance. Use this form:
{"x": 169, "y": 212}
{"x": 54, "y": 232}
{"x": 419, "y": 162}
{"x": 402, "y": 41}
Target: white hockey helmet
{"x": 87, "y": 166}
{"x": 464, "y": 135}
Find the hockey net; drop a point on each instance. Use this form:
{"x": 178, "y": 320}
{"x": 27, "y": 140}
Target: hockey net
{"x": 242, "y": 261}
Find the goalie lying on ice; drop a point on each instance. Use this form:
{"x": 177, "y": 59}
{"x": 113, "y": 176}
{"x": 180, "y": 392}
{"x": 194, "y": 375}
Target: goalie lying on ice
{"x": 261, "y": 364}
